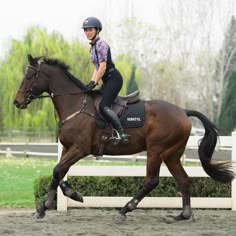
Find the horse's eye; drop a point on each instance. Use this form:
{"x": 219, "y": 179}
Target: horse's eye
{"x": 29, "y": 75}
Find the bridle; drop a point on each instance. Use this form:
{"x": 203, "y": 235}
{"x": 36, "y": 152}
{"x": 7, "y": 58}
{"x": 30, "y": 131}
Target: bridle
{"x": 32, "y": 96}
{"x": 30, "y": 91}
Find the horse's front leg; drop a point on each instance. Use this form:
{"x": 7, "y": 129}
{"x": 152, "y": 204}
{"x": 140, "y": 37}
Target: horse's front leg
{"x": 68, "y": 158}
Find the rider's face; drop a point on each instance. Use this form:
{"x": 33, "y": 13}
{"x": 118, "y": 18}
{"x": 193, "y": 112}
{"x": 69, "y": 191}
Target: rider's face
{"x": 90, "y": 33}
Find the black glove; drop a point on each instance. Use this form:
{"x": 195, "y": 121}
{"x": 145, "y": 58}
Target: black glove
{"x": 90, "y": 86}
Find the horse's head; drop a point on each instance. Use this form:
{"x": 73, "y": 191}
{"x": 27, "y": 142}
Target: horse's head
{"x": 46, "y": 75}
{"x": 31, "y": 86}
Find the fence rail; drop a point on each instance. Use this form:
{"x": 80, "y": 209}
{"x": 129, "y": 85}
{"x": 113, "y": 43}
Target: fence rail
{"x": 63, "y": 202}
{"x": 26, "y": 149}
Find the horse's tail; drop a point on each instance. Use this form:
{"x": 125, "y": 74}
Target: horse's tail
{"x": 221, "y": 171}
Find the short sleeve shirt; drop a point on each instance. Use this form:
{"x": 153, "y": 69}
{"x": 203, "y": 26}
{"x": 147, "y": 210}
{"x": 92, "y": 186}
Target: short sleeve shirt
{"x": 102, "y": 49}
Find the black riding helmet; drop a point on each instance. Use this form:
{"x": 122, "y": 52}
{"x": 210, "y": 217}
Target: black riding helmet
{"x": 92, "y": 22}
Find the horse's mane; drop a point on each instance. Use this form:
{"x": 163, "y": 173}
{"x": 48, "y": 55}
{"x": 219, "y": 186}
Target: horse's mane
{"x": 65, "y": 68}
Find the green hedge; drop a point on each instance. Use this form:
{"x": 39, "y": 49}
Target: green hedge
{"x": 128, "y": 186}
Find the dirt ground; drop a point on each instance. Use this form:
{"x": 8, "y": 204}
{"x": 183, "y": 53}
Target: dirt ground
{"x": 100, "y": 222}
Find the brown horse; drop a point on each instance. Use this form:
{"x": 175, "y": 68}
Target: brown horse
{"x": 164, "y": 134}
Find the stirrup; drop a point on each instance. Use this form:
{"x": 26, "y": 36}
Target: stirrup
{"x": 116, "y": 139}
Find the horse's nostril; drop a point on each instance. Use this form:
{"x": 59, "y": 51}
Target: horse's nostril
{"x": 16, "y": 103}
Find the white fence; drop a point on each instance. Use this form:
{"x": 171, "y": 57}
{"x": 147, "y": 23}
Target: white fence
{"x": 23, "y": 149}
{"x": 225, "y": 142}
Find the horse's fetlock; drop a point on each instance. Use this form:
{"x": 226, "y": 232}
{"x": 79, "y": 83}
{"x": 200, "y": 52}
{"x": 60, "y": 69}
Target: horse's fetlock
{"x": 132, "y": 204}
{"x": 187, "y": 212}
{"x": 66, "y": 188}
{"x": 47, "y": 204}
{"x": 68, "y": 193}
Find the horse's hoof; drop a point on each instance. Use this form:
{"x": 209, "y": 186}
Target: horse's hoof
{"x": 183, "y": 217}
{"x": 39, "y": 214}
{"x": 77, "y": 197}
{"x": 120, "y": 218}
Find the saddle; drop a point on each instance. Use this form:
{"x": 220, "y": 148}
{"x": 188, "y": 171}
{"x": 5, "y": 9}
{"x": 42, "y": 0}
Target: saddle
{"x": 119, "y": 105}
{"x": 129, "y": 109}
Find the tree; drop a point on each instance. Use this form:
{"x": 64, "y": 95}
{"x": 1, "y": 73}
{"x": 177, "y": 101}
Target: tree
{"x": 226, "y": 80}
{"x": 227, "y": 117}
{"x": 132, "y": 85}
{"x": 40, "y": 114}
{"x": 38, "y": 42}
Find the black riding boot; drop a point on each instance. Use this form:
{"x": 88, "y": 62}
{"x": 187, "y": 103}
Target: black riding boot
{"x": 115, "y": 121}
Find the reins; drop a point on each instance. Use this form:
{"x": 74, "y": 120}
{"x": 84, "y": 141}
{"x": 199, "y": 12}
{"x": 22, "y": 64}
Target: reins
{"x": 53, "y": 95}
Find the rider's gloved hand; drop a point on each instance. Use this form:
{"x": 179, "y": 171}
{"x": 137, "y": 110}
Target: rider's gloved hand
{"x": 90, "y": 86}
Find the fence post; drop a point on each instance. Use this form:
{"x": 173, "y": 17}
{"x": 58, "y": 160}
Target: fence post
{"x": 233, "y": 185}
{"x": 8, "y": 152}
{"x": 61, "y": 199}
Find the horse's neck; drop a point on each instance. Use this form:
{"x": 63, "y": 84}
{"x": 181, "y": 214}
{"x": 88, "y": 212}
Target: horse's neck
{"x": 66, "y": 96}
{"x": 67, "y": 105}
{"x": 59, "y": 84}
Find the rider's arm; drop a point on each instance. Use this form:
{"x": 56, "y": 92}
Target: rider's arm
{"x": 98, "y": 74}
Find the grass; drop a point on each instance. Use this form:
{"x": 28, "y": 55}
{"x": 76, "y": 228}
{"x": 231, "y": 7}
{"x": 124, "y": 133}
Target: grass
{"x": 17, "y": 177}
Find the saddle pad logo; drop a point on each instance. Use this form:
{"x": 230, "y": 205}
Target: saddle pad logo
{"x": 134, "y": 119}
{"x": 134, "y": 116}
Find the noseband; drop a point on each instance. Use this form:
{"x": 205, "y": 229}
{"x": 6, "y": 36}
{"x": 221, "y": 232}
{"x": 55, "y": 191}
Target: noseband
{"x": 31, "y": 95}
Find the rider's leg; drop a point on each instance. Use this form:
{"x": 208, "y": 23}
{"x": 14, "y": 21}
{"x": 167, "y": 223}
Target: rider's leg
{"x": 111, "y": 88}
{"x": 115, "y": 121}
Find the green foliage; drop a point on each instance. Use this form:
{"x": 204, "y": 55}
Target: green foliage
{"x": 128, "y": 186}
{"x": 125, "y": 68}
{"x": 132, "y": 85}
{"x": 40, "y": 114}
{"x": 41, "y": 186}
{"x": 17, "y": 177}
{"x": 227, "y": 118}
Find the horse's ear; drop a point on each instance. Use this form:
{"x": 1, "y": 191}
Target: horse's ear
{"x": 30, "y": 59}
{"x": 33, "y": 61}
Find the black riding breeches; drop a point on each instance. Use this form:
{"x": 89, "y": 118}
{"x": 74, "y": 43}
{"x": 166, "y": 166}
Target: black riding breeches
{"x": 110, "y": 89}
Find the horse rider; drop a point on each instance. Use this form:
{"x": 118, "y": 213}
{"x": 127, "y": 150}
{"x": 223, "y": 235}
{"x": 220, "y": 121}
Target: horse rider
{"x": 104, "y": 70}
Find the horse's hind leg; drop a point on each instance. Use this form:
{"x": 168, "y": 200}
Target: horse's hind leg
{"x": 177, "y": 170}
{"x": 152, "y": 180}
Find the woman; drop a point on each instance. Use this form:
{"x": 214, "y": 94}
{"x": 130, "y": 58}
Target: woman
{"x": 104, "y": 70}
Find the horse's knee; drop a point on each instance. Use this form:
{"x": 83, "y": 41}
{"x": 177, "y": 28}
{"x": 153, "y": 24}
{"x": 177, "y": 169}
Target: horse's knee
{"x": 57, "y": 172}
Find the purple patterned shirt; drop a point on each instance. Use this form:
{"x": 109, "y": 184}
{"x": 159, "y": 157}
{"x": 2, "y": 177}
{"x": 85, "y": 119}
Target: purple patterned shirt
{"x": 102, "y": 49}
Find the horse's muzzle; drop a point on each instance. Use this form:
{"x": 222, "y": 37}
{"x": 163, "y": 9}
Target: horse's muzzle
{"x": 19, "y": 105}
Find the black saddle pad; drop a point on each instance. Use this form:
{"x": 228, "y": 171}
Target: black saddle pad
{"x": 133, "y": 116}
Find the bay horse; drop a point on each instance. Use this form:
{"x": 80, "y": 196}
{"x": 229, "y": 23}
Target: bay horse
{"x": 164, "y": 134}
